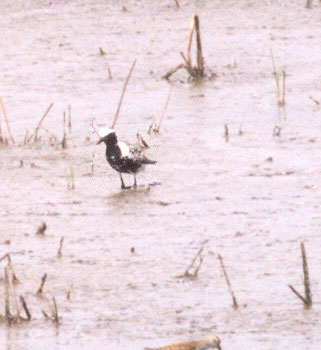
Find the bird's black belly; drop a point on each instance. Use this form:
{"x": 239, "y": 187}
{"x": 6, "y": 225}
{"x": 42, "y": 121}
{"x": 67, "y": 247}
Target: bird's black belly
{"x": 124, "y": 165}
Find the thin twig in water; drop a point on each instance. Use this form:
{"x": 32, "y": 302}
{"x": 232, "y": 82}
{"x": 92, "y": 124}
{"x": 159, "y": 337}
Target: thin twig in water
{"x": 6, "y": 120}
{"x": 55, "y": 311}
{"x": 8, "y": 315}
{"x": 40, "y": 121}
{"x": 235, "y": 305}
{"x": 69, "y": 118}
{"x": 14, "y": 277}
{"x": 49, "y": 132}
{"x": 42, "y": 228}
{"x": 64, "y": 139}
{"x": 189, "y": 46}
{"x": 307, "y": 300}
{"x": 25, "y": 307}
{"x": 283, "y": 87}
{"x": 315, "y": 101}
{"x": 226, "y": 133}
{"x": 188, "y": 273}
{"x": 307, "y": 289}
{"x": 123, "y": 93}
{"x": 198, "y": 254}
{"x": 42, "y": 283}
{"x": 199, "y": 55}
{"x": 165, "y": 107}
{"x": 59, "y": 254}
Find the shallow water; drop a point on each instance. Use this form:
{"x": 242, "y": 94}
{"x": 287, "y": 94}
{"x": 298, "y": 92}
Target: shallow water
{"x": 252, "y": 199}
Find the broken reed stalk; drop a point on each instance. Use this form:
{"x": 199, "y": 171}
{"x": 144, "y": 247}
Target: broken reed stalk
{"x": 40, "y": 121}
{"x": 70, "y": 178}
{"x": 226, "y": 133}
{"x": 48, "y": 132}
{"x": 280, "y": 101}
{"x": 189, "y": 46}
{"x": 308, "y": 4}
{"x": 6, "y": 121}
{"x": 42, "y": 228}
{"x": 200, "y": 60}
{"x": 283, "y": 87}
{"x": 123, "y": 93}
{"x": 69, "y": 118}
{"x": 177, "y": 4}
{"x": 64, "y": 139}
{"x": 195, "y": 72}
{"x": 198, "y": 254}
{"x": 13, "y": 292}
{"x": 307, "y": 299}
{"x": 14, "y": 277}
{"x": 59, "y": 254}
{"x": 8, "y": 315}
{"x": 25, "y": 307}
{"x": 165, "y": 107}
{"x": 55, "y": 311}
{"x": 42, "y": 283}
{"x": 235, "y": 305}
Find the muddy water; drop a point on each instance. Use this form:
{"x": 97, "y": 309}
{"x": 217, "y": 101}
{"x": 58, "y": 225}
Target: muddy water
{"x": 252, "y": 199}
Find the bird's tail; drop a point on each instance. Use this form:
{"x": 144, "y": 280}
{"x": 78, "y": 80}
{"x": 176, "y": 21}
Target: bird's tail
{"x": 149, "y": 161}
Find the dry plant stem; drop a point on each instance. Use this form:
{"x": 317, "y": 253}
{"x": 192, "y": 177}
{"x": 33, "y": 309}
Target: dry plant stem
{"x": 314, "y": 100}
{"x": 142, "y": 143}
{"x": 308, "y": 4}
{"x": 198, "y": 254}
{"x": 14, "y": 277}
{"x": 6, "y": 120}
{"x": 25, "y": 307}
{"x": 123, "y": 93}
{"x": 165, "y": 107}
{"x": 307, "y": 300}
{"x": 42, "y": 283}
{"x": 41, "y": 120}
{"x": 188, "y": 66}
{"x": 55, "y": 311}
{"x": 49, "y": 132}
{"x": 307, "y": 289}
{"x": 199, "y": 47}
{"x": 173, "y": 70}
{"x": 4, "y": 257}
{"x": 8, "y": 315}
{"x": 189, "y": 59}
{"x": 25, "y": 140}
{"x": 69, "y": 119}
{"x": 226, "y": 133}
{"x": 64, "y": 139}
{"x": 13, "y": 292}
{"x": 198, "y": 266}
{"x": 59, "y": 254}
{"x": 235, "y": 305}
{"x": 283, "y": 87}
{"x": 177, "y": 4}
{"x": 298, "y": 294}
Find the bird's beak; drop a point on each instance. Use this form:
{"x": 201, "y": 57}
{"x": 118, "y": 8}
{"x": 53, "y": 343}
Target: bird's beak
{"x": 100, "y": 140}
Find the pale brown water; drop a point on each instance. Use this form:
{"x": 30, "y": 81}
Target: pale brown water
{"x": 253, "y": 212}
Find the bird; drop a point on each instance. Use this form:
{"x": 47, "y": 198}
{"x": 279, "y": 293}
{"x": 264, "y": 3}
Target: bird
{"x": 123, "y": 157}
{"x": 212, "y": 342}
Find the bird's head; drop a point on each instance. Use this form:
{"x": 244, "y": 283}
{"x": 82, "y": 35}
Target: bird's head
{"x": 215, "y": 342}
{"x": 105, "y": 133}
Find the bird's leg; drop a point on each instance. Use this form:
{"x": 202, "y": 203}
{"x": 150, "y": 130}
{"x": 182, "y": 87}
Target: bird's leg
{"x": 122, "y": 182}
{"x": 135, "y": 183}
